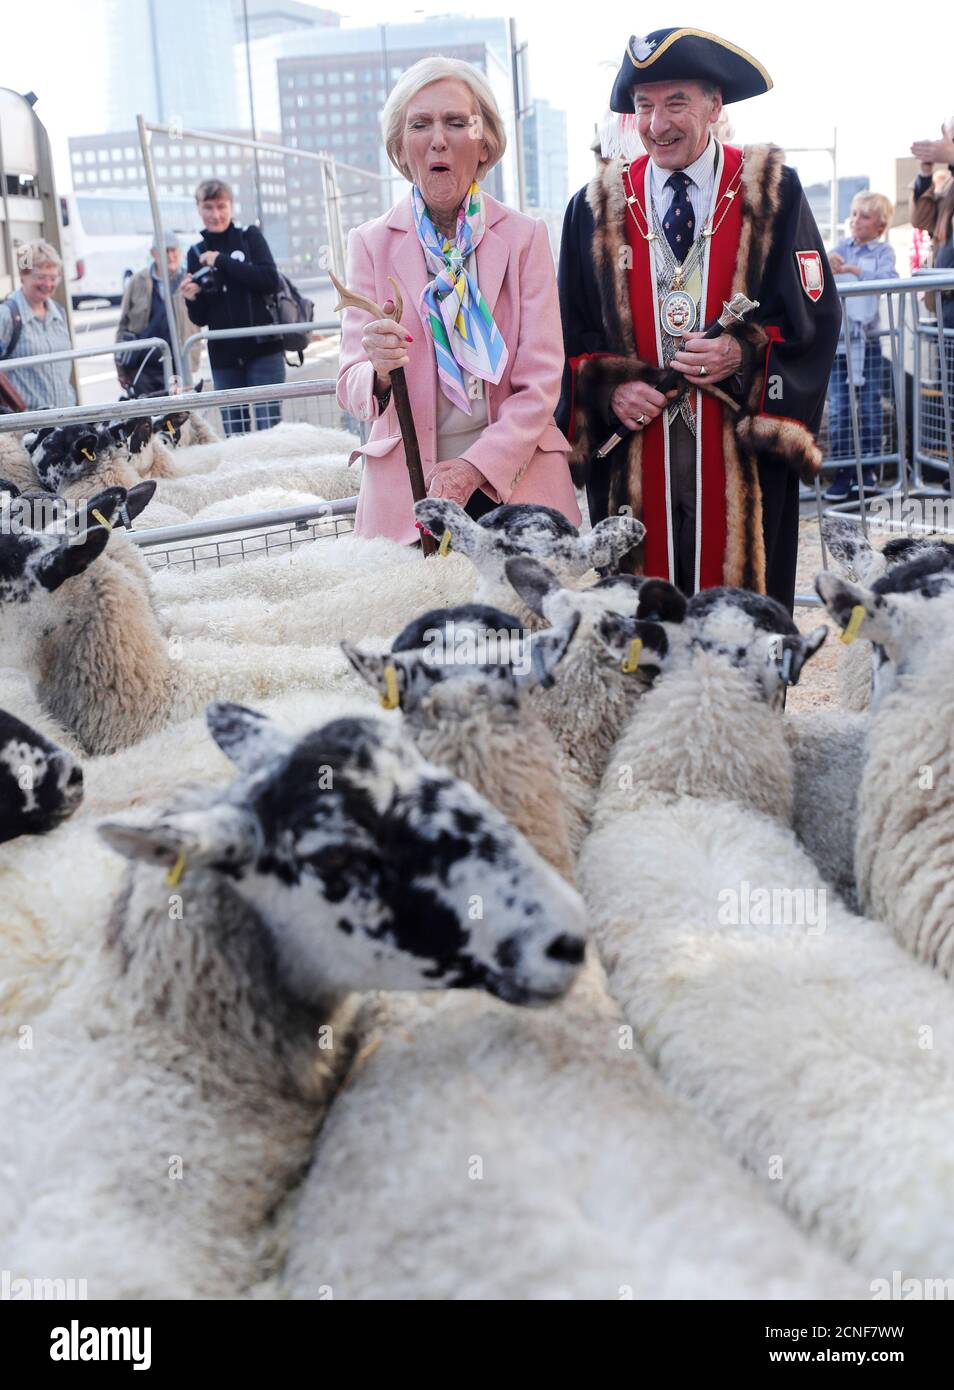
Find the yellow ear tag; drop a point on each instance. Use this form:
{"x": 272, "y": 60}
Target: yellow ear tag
{"x": 177, "y": 870}
{"x": 170, "y": 427}
{"x": 631, "y": 660}
{"x": 102, "y": 520}
{"x": 444, "y": 546}
{"x": 854, "y": 623}
{"x": 87, "y": 455}
{"x": 390, "y": 699}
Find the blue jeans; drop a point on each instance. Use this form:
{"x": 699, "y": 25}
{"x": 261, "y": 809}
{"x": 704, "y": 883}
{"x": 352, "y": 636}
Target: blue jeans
{"x": 869, "y": 406}
{"x": 257, "y": 371}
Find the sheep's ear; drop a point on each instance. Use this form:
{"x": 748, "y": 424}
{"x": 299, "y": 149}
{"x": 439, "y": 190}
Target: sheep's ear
{"x": 610, "y": 539}
{"x": 440, "y": 515}
{"x": 9, "y": 488}
{"x": 245, "y": 736}
{"x": 35, "y": 437}
{"x": 139, "y": 497}
{"x": 620, "y": 634}
{"x": 374, "y": 669}
{"x": 532, "y": 581}
{"x": 70, "y": 558}
{"x": 843, "y": 599}
{"x": 139, "y": 435}
{"x": 223, "y": 835}
{"x": 661, "y": 602}
{"x": 795, "y": 651}
{"x": 547, "y": 650}
{"x": 850, "y": 547}
{"x": 107, "y": 503}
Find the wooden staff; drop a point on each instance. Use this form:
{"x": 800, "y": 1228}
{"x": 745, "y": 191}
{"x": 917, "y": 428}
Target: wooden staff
{"x": 350, "y": 299}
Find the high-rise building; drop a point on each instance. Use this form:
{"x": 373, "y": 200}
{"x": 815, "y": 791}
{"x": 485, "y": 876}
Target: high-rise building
{"x": 172, "y": 61}
{"x": 545, "y": 157}
{"x": 266, "y": 17}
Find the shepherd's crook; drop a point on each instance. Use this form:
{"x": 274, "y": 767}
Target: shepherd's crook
{"x": 350, "y": 299}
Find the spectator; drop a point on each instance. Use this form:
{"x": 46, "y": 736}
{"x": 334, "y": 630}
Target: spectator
{"x": 31, "y": 322}
{"x": 863, "y": 255}
{"x": 143, "y": 315}
{"x": 932, "y": 193}
{"x": 242, "y": 272}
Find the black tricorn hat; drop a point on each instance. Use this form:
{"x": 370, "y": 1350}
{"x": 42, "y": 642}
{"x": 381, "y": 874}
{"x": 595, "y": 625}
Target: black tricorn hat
{"x": 674, "y": 55}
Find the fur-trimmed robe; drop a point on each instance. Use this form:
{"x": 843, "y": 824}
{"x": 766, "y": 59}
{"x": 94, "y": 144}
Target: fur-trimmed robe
{"x": 789, "y": 346}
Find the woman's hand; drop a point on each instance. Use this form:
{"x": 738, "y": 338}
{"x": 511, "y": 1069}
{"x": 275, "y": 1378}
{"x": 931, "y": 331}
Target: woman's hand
{"x": 188, "y": 288}
{"x": 836, "y": 262}
{"x": 720, "y": 356}
{"x": 455, "y": 480}
{"x": 385, "y": 343}
{"x": 209, "y": 257}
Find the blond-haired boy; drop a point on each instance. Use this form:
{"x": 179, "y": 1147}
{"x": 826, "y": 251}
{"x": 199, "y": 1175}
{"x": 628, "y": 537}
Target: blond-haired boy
{"x": 864, "y": 255}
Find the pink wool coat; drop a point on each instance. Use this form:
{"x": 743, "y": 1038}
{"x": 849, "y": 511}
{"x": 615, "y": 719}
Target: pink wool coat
{"x": 521, "y": 453}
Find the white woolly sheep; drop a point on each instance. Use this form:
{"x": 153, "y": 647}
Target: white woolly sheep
{"x": 853, "y": 552}
{"x": 173, "y": 1096}
{"x": 903, "y": 854}
{"x": 792, "y": 1024}
{"x": 541, "y": 533}
{"x": 459, "y": 676}
{"x": 102, "y": 664}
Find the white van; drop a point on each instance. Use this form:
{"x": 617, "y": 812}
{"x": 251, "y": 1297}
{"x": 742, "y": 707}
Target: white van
{"x": 110, "y": 235}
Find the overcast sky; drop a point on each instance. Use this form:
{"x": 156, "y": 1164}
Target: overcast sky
{"x": 833, "y": 65}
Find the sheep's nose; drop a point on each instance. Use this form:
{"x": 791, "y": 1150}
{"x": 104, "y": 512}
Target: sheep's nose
{"x": 569, "y": 949}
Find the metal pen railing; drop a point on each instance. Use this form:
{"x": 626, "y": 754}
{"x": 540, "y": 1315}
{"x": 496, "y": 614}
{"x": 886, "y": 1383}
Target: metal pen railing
{"x": 107, "y": 350}
{"x": 265, "y": 330}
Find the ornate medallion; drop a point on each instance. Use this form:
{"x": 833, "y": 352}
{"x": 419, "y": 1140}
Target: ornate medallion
{"x": 677, "y": 312}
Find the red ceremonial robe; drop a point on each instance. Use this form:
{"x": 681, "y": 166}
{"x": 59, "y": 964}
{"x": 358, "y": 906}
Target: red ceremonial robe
{"x": 644, "y": 298}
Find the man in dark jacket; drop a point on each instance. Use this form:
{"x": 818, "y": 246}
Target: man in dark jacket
{"x": 242, "y": 272}
{"x": 674, "y": 225}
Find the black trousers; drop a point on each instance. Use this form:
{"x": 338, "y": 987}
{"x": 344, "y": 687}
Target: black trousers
{"x": 779, "y": 521}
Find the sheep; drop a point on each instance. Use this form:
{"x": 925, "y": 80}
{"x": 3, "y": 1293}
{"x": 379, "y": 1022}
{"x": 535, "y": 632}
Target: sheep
{"x": 854, "y": 553}
{"x": 527, "y": 1096}
{"x": 527, "y": 530}
{"x": 77, "y": 461}
{"x": 828, "y": 752}
{"x": 352, "y": 589}
{"x": 902, "y": 849}
{"x": 41, "y": 784}
{"x": 478, "y": 1153}
{"x": 459, "y": 675}
{"x": 102, "y": 663}
{"x": 793, "y": 1025}
{"x": 178, "y": 1079}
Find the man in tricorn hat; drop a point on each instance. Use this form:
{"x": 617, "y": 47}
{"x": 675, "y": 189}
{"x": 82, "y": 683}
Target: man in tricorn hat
{"x": 651, "y": 250}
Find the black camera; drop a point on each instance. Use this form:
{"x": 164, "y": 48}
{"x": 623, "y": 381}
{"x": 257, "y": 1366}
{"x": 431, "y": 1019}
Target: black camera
{"x": 207, "y": 278}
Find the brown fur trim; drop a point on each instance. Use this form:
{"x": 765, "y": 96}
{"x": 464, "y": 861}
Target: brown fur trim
{"x": 761, "y": 184}
{"x": 786, "y": 441}
{"x": 626, "y": 490}
{"x": 744, "y": 565}
{"x": 611, "y": 256}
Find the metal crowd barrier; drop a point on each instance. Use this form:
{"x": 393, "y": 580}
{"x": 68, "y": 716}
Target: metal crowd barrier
{"x": 155, "y": 405}
{"x": 107, "y": 350}
{"x": 199, "y": 545}
{"x": 265, "y": 330}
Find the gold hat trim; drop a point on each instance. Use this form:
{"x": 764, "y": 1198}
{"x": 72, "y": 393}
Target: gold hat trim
{"x": 697, "y": 34}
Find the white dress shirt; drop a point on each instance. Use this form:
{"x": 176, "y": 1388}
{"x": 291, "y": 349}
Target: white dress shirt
{"x": 702, "y": 173}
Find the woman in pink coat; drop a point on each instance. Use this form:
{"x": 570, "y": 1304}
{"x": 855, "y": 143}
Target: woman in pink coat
{"x": 480, "y": 335}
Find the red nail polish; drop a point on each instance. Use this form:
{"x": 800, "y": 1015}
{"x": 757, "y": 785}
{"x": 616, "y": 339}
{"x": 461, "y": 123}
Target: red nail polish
{"x": 409, "y": 338}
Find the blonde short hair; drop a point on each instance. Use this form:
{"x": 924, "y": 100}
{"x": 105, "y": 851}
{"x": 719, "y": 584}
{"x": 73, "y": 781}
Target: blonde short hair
{"x": 875, "y": 202}
{"x": 35, "y": 253}
{"x": 421, "y": 75}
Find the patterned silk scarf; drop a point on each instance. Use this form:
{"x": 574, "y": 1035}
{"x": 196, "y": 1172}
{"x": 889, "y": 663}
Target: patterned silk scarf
{"x": 454, "y": 312}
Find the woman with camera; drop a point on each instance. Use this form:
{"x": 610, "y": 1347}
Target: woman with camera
{"x": 230, "y": 271}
